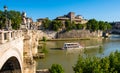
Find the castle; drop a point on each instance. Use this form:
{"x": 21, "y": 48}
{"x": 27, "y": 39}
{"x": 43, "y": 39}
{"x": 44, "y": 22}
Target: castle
{"x": 71, "y": 16}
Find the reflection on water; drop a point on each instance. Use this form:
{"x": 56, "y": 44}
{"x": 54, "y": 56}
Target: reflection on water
{"x": 68, "y": 58}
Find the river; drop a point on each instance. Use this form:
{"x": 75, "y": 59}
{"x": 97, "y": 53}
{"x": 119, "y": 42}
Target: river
{"x": 67, "y": 59}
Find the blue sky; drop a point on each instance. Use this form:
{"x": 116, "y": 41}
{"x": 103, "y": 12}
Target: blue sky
{"x": 105, "y": 10}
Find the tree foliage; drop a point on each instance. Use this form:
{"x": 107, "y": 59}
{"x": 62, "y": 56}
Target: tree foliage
{"x": 56, "y": 68}
{"x": 92, "y": 25}
{"x": 108, "y": 64}
{"x": 46, "y": 23}
{"x": 14, "y": 16}
{"x": 2, "y": 20}
{"x": 95, "y": 25}
{"x": 56, "y": 25}
{"x": 16, "y": 19}
{"x": 80, "y": 26}
{"x": 44, "y": 39}
{"x": 70, "y": 25}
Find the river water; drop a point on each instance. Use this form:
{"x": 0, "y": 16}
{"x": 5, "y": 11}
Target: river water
{"x": 67, "y": 59}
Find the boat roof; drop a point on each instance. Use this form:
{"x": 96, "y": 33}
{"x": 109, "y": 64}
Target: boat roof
{"x": 71, "y": 43}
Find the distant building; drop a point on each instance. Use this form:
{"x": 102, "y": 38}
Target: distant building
{"x": 71, "y": 16}
{"x": 115, "y": 25}
{"x": 40, "y": 22}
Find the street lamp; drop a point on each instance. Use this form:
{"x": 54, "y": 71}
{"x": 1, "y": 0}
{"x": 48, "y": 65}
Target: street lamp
{"x": 5, "y": 8}
{"x": 6, "y": 22}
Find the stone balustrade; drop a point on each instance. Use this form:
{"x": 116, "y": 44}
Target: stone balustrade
{"x": 6, "y": 36}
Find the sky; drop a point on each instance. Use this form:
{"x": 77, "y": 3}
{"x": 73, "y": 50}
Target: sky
{"x": 101, "y": 10}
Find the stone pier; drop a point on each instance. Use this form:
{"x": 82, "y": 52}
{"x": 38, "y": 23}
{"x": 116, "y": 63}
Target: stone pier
{"x": 30, "y": 49}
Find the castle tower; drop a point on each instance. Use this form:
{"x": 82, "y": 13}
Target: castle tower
{"x": 71, "y": 15}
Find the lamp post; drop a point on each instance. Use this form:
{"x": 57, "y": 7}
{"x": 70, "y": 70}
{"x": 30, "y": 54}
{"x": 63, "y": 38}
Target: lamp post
{"x": 6, "y": 22}
{"x": 5, "y": 7}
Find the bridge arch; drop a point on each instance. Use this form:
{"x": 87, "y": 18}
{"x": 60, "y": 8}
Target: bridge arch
{"x": 11, "y": 51}
{"x": 12, "y": 65}
{"x": 11, "y": 61}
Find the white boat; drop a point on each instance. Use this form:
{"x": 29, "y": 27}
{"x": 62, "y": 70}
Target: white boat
{"x": 71, "y": 46}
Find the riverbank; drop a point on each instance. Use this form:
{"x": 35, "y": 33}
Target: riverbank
{"x": 68, "y": 39}
{"x": 73, "y": 39}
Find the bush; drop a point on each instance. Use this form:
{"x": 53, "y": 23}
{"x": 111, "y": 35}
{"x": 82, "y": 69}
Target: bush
{"x": 44, "y": 50}
{"x": 44, "y": 39}
{"x": 56, "y": 68}
{"x": 110, "y": 64}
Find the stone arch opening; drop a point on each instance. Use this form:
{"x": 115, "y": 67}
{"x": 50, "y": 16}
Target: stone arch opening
{"x": 12, "y": 65}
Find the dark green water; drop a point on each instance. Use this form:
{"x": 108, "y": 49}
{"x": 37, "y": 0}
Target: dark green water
{"x": 67, "y": 59}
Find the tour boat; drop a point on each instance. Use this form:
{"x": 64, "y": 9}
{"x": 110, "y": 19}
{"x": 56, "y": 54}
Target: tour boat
{"x": 70, "y": 46}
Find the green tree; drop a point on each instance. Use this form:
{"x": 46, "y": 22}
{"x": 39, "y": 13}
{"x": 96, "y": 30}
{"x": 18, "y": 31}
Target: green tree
{"x": 2, "y": 20}
{"x": 16, "y": 18}
{"x": 109, "y": 64}
{"x": 73, "y": 25}
{"x": 108, "y": 26}
{"x": 102, "y": 25}
{"x": 92, "y": 25}
{"x": 56, "y": 25}
{"x": 56, "y": 68}
{"x": 46, "y": 23}
{"x": 69, "y": 25}
{"x": 44, "y": 39}
{"x": 79, "y": 26}
{"x": 44, "y": 49}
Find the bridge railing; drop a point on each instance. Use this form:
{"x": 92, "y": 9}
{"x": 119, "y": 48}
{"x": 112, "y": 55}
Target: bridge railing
{"x": 7, "y": 36}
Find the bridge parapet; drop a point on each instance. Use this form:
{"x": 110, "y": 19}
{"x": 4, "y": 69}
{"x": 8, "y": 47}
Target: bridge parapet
{"x": 6, "y": 36}
{"x": 11, "y": 50}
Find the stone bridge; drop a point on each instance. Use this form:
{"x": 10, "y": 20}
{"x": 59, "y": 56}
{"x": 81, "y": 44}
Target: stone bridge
{"x": 16, "y": 51}
{"x": 115, "y": 31}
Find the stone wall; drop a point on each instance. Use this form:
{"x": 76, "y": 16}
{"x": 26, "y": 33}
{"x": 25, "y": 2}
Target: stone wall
{"x": 69, "y": 34}
{"x": 79, "y": 34}
{"x": 48, "y": 34}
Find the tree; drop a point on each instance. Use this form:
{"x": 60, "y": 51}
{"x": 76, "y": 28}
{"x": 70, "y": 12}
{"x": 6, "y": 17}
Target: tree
{"x": 73, "y": 25}
{"x": 2, "y": 20}
{"x": 102, "y": 25}
{"x": 16, "y": 18}
{"x": 92, "y": 25}
{"x": 69, "y": 25}
{"x": 108, "y": 26}
{"x": 56, "y": 68}
{"x": 95, "y": 25}
{"x": 46, "y": 23}
{"x": 109, "y": 64}
{"x": 79, "y": 26}
{"x": 56, "y": 25}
